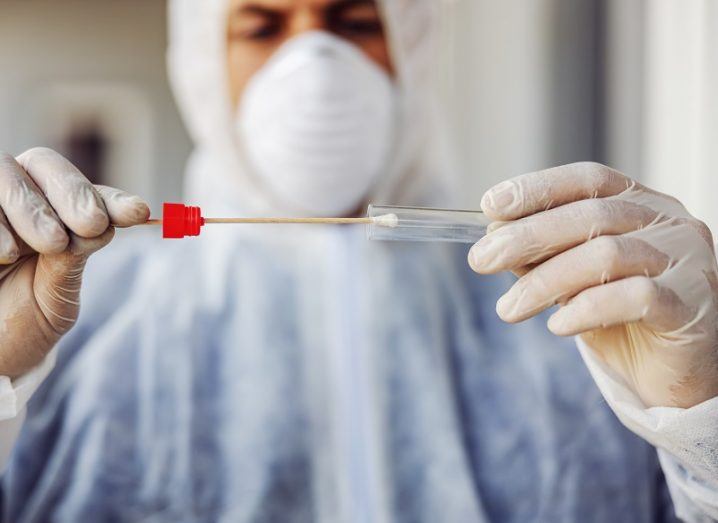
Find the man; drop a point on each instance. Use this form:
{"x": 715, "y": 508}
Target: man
{"x": 303, "y": 374}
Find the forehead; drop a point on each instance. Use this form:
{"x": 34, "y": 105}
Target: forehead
{"x": 286, "y": 4}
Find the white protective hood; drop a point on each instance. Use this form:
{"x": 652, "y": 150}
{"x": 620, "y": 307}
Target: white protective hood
{"x": 217, "y": 177}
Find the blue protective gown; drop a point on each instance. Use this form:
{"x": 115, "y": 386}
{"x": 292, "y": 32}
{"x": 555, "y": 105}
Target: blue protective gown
{"x": 317, "y": 377}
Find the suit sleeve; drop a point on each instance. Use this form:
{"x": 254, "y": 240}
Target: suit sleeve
{"x": 14, "y": 395}
{"x": 686, "y": 439}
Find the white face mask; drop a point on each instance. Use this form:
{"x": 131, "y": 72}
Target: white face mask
{"x": 317, "y": 124}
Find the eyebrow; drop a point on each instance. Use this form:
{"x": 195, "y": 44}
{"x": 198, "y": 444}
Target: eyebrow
{"x": 255, "y": 9}
{"x": 338, "y": 4}
{"x": 335, "y": 4}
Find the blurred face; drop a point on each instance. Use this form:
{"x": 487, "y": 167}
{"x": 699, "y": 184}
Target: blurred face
{"x": 257, "y": 28}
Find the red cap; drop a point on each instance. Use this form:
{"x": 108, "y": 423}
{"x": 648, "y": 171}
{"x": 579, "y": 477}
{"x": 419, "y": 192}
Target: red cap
{"x": 179, "y": 220}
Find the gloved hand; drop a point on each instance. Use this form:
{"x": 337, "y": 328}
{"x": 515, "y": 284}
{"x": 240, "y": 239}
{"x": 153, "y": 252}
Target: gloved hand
{"x": 52, "y": 219}
{"x": 635, "y": 275}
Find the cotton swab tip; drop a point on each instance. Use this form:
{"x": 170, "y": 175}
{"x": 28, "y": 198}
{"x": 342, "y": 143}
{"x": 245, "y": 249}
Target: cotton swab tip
{"x": 386, "y": 220}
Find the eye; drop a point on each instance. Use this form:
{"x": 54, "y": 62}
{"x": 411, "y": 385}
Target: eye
{"x": 360, "y": 27}
{"x": 255, "y": 25}
{"x": 263, "y": 32}
{"x": 357, "y": 19}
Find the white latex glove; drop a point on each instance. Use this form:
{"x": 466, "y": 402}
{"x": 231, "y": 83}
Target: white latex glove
{"x": 52, "y": 219}
{"x": 634, "y": 272}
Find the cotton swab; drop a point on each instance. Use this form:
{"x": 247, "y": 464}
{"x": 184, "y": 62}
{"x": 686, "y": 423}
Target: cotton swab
{"x": 179, "y": 221}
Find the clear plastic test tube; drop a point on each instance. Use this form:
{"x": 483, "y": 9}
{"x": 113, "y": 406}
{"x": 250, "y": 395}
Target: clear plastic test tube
{"x": 418, "y": 224}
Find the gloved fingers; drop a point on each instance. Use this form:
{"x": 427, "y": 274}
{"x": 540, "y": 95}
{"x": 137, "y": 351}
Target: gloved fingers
{"x": 699, "y": 228}
{"x": 82, "y": 248}
{"x": 496, "y": 225}
{"x": 522, "y": 271}
{"x": 124, "y": 209}
{"x": 58, "y": 279}
{"x": 531, "y": 193}
{"x": 518, "y": 272}
{"x": 604, "y": 259}
{"x": 638, "y": 298}
{"x": 28, "y": 212}
{"x": 73, "y": 197}
{"x": 9, "y": 250}
{"x": 538, "y": 237}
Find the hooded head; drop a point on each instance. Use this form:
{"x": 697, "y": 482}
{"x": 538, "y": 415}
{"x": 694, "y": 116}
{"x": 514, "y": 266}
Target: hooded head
{"x": 227, "y": 103}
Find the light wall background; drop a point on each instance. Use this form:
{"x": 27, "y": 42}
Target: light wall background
{"x": 525, "y": 84}
{"x": 107, "y": 56}
{"x": 629, "y": 83}
{"x": 521, "y": 85}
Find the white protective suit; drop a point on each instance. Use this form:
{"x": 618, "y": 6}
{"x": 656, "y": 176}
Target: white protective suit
{"x": 309, "y": 375}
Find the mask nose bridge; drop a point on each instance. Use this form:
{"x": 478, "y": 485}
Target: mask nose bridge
{"x": 325, "y": 52}
{"x": 321, "y": 43}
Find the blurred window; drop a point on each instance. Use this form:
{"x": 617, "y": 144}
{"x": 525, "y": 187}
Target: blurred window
{"x": 86, "y": 146}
